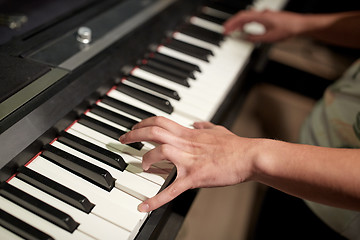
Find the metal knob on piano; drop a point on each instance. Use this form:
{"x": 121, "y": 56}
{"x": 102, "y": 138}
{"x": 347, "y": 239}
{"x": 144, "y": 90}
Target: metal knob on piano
{"x": 84, "y": 35}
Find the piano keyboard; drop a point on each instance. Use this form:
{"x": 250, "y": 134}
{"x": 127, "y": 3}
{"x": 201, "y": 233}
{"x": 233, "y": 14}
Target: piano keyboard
{"x": 85, "y": 184}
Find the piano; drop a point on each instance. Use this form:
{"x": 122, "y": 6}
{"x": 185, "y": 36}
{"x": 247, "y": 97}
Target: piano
{"x": 71, "y": 85}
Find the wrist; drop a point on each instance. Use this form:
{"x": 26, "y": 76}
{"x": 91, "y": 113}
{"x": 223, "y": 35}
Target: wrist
{"x": 266, "y": 159}
{"x": 255, "y": 158}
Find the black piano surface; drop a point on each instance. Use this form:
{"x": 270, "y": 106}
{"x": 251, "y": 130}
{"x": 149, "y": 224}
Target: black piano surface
{"x": 67, "y": 79}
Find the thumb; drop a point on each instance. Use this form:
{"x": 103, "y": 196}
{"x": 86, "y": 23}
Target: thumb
{"x": 165, "y": 196}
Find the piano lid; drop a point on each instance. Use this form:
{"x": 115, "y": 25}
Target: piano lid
{"x": 21, "y": 17}
{"x": 53, "y": 43}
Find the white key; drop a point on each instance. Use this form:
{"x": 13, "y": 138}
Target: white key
{"x": 194, "y": 41}
{"x": 231, "y": 59}
{"x": 40, "y": 223}
{"x": 215, "y": 13}
{"x": 135, "y": 162}
{"x": 128, "y": 182}
{"x": 104, "y": 105}
{"x": 6, "y": 234}
{"x": 182, "y": 56}
{"x": 273, "y": 5}
{"x": 199, "y": 93}
{"x": 185, "y": 121}
{"x": 89, "y": 224}
{"x": 115, "y": 206}
{"x": 207, "y": 24}
{"x": 107, "y": 140}
{"x": 135, "y": 166}
{"x": 182, "y": 106}
{"x": 147, "y": 146}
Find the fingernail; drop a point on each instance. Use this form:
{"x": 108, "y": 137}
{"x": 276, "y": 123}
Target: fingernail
{"x": 143, "y": 207}
{"x": 121, "y": 138}
{"x": 145, "y": 168}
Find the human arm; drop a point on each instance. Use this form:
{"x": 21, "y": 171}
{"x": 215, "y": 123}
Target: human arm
{"x": 335, "y": 28}
{"x": 210, "y": 156}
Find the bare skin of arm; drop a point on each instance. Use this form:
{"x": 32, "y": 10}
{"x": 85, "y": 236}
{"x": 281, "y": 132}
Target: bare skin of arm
{"x": 340, "y": 29}
{"x": 210, "y": 156}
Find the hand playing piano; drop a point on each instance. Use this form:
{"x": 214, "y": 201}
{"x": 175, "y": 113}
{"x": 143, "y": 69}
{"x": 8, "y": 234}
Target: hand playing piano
{"x": 206, "y": 156}
{"x": 278, "y": 25}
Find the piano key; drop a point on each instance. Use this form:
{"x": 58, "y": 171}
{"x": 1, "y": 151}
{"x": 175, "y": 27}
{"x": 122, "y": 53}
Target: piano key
{"x": 202, "y": 34}
{"x": 165, "y": 74}
{"x": 164, "y": 50}
{"x": 128, "y": 182}
{"x": 90, "y": 172}
{"x": 133, "y": 160}
{"x": 155, "y": 101}
{"x": 103, "y": 105}
{"x": 231, "y": 58}
{"x": 106, "y": 130}
{"x": 185, "y": 106}
{"x": 90, "y": 224}
{"x": 115, "y": 117}
{"x": 23, "y": 230}
{"x": 195, "y": 41}
{"x": 197, "y": 95}
{"x": 274, "y": 5}
{"x": 127, "y": 108}
{"x": 155, "y": 87}
{"x": 136, "y": 167}
{"x": 200, "y": 22}
{"x": 216, "y": 13}
{"x": 100, "y": 152}
{"x": 38, "y": 207}
{"x": 176, "y": 62}
{"x": 55, "y": 189}
{"x": 184, "y": 92}
{"x": 183, "y": 120}
{"x": 108, "y": 141}
{"x": 226, "y": 8}
{"x": 40, "y": 223}
{"x": 6, "y": 234}
{"x": 168, "y": 67}
{"x": 210, "y": 18}
{"x": 146, "y": 145}
{"x": 190, "y": 50}
{"x": 115, "y": 206}
{"x": 93, "y": 150}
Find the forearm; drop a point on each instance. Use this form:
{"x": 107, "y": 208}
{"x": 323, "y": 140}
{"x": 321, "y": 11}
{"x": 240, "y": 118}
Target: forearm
{"x": 325, "y": 175}
{"x": 341, "y": 29}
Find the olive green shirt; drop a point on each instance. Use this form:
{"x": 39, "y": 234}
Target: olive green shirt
{"x": 335, "y": 122}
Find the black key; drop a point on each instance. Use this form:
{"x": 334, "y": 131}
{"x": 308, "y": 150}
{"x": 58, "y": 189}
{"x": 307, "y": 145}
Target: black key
{"x": 55, "y": 189}
{"x": 175, "y": 62}
{"x": 21, "y": 228}
{"x": 169, "y": 68}
{"x": 202, "y": 34}
{"x": 80, "y": 167}
{"x": 226, "y": 8}
{"x": 165, "y": 74}
{"x": 154, "y": 87}
{"x": 213, "y": 19}
{"x": 38, "y": 207}
{"x": 195, "y": 51}
{"x": 137, "y": 112}
{"x": 99, "y": 153}
{"x": 157, "y": 102}
{"x": 113, "y": 116}
{"x": 106, "y": 129}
